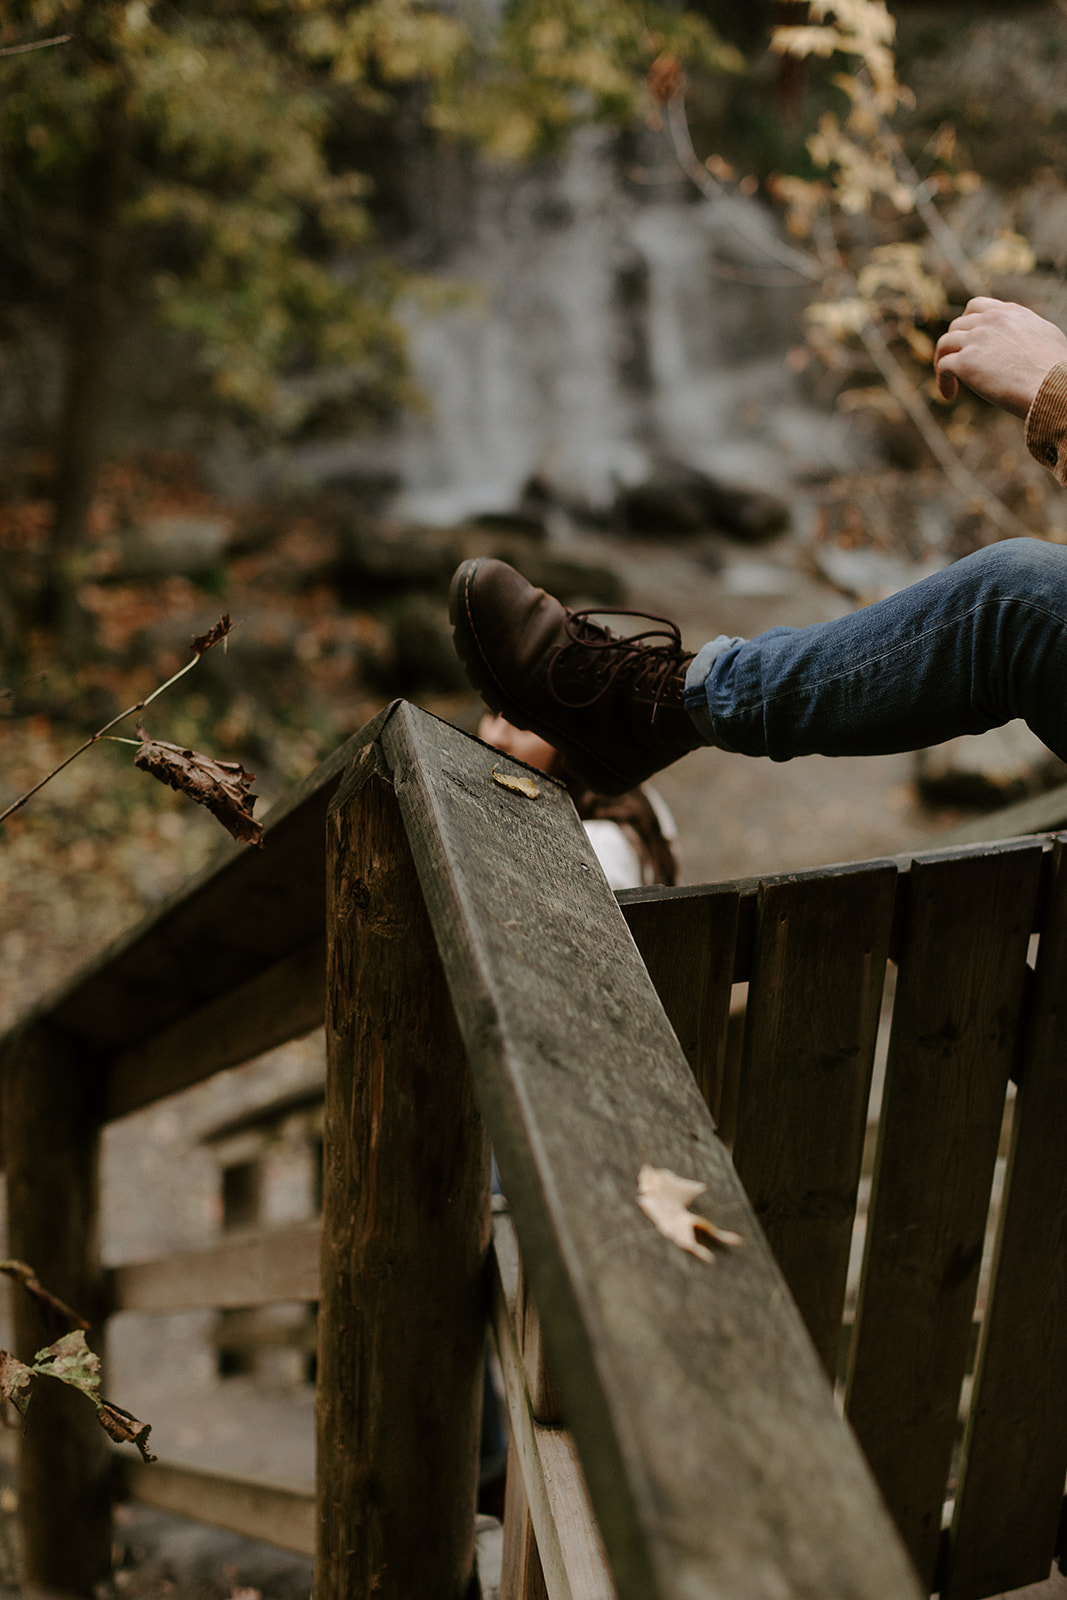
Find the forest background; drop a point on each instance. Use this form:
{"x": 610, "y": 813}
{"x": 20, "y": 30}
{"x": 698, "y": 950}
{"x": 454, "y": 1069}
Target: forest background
{"x": 211, "y": 220}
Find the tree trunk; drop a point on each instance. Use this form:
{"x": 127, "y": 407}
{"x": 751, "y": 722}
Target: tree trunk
{"x": 90, "y": 337}
{"x": 50, "y": 1123}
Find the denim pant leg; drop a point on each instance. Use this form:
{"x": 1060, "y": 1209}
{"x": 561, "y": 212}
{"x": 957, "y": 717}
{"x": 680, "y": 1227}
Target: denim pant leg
{"x": 967, "y": 649}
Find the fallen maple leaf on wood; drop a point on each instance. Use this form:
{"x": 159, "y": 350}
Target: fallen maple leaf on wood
{"x": 518, "y": 782}
{"x": 664, "y": 1197}
{"x": 224, "y": 787}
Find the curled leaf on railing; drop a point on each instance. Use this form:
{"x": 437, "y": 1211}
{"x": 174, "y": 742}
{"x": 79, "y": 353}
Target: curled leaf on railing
{"x": 665, "y": 1199}
{"x": 518, "y": 782}
{"x": 224, "y": 787}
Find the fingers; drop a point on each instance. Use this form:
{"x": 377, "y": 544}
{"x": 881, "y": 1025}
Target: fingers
{"x": 999, "y": 350}
{"x": 948, "y": 386}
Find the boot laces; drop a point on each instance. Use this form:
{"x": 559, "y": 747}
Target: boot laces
{"x": 608, "y": 657}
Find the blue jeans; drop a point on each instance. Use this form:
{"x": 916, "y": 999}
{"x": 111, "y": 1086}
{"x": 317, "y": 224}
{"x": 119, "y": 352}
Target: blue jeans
{"x": 967, "y": 649}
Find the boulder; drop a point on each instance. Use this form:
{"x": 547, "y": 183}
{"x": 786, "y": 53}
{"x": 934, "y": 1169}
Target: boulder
{"x": 395, "y": 556}
{"x": 679, "y": 501}
{"x": 989, "y": 769}
{"x": 423, "y": 656}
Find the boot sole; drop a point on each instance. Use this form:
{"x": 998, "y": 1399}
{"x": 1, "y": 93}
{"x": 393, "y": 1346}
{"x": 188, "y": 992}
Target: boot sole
{"x": 578, "y": 761}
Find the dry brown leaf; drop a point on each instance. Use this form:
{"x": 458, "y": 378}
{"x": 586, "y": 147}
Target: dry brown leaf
{"x": 125, "y": 1428}
{"x": 204, "y": 641}
{"x": 518, "y": 782}
{"x": 15, "y": 1381}
{"x": 222, "y": 786}
{"x": 664, "y": 1197}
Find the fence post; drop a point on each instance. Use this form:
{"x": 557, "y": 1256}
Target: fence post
{"x": 405, "y": 1231}
{"x": 51, "y": 1156}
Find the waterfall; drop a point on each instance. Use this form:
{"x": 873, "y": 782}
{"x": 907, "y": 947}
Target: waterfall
{"x": 598, "y": 326}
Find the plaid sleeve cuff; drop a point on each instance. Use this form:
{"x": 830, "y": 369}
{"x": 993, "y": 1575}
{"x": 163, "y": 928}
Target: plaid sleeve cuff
{"x": 1046, "y": 423}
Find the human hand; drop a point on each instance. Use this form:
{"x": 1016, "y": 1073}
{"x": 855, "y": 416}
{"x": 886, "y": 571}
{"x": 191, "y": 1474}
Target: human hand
{"x": 1000, "y": 350}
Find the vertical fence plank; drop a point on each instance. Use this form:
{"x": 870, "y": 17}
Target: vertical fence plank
{"x": 522, "y": 1576}
{"x": 957, "y": 1006}
{"x": 813, "y": 1003}
{"x": 405, "y": 1233}
{"x": 1015, "y": 1453}
{"x": 687, "y": 943}
{"x": 51, "y": 1158}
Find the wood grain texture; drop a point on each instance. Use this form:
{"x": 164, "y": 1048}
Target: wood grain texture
{"x": 966, "y": 930}
{"x": 714, "y": 1458}
{"x": 812, "y": 1023}
{"x": 405, "y": 1234}
{"x": 1010, "y": 1499}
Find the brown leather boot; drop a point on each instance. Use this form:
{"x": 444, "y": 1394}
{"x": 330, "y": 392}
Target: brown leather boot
{"x": 612, "y": 706}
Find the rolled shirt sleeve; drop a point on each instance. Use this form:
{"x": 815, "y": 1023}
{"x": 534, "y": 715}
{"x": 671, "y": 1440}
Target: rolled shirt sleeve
{"x": 1046, "y": 423}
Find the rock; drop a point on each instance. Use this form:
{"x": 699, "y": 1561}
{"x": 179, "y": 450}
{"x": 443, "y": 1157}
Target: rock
{"x": 529, "y": 523}
{"x": 182, "y": 546}
{"x": 989, "y": 769}
{"x": 423, "y": 656}
{"x": 680, "y": 500}
{"x": 389, "y": 556}
{"x": 576, "y": 583}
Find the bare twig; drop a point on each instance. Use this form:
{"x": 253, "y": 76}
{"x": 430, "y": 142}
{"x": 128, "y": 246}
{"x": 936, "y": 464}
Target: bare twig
{"x": 946, "y": 240}
{"x": 741, "y": 220}
{"x": 38, "y": 44}
{"x": 200, "y": 646}
{"x": 21, "y": 1273}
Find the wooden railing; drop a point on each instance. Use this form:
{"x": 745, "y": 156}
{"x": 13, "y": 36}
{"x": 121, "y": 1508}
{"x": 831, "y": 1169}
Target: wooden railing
{"x": 480, "y": 982}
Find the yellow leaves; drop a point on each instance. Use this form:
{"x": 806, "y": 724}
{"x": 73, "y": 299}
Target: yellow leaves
{"x": 862, "y": 171}
{"x": 839, "y": 318}
{"x": 896, "y": 278}
{"x": 807, "y": 41}
{"x": 893, "y": 286}
{"x": 803, "y": 201}
{"x": 861, "y": 28}
{"x": 1009, "y": 253}
{"x": 665, "y": 1198}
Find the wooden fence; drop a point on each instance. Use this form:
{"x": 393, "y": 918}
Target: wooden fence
{"x": 480, "y": 982}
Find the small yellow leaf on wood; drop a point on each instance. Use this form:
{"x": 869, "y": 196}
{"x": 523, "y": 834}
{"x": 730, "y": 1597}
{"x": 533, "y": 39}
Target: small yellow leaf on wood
{"x": 664, "y": 1197}
{"x": 516, "y": 781}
